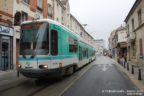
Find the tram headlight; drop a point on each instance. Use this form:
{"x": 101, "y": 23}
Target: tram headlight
{"x": 19, "y": 65}
{"x": 45, "y": 66}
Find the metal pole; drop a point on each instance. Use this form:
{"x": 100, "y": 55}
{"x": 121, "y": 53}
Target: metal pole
{"x": 132, "y": 69}
{"x": 127, "y": 66}
{"x": 139, "y": 75}
{"x": 124, "y": 64}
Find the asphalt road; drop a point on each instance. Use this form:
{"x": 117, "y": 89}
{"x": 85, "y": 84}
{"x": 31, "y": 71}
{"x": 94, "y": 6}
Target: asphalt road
{"x": 33, "y": 87}
{"x": 104, "y": 78}
{"x": 100, "y": 78}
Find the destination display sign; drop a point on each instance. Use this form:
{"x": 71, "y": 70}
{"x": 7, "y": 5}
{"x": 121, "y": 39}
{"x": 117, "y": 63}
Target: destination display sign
{"x": 29, "y": 26}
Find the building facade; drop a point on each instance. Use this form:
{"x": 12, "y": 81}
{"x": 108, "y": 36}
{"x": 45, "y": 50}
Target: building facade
{"x": 100, "y": 43}
{"x": 118, "y": 43}
{"x": 6, "y": 46}
{"x": 135, "y": 29}
{"x": 77, "y": 28}
{"x": 6, "y": 35}
{"x": 112, "y": 44}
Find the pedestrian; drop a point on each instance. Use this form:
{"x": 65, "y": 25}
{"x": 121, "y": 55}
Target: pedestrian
{"x": 125, "y": 56}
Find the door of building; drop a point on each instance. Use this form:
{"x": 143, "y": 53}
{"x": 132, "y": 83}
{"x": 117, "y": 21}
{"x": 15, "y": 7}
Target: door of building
{"x": 5, "y": 56}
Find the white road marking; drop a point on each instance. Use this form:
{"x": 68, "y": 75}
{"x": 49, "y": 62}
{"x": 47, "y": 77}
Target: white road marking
{"x": 104, "y": 68}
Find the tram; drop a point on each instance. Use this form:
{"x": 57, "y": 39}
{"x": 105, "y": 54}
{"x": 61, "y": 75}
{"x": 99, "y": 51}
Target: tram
{"x": 48, "y": 49}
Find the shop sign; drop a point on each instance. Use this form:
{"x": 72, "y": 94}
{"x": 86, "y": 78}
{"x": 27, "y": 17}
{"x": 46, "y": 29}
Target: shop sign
{"x": 6, "y": 30}
{"x": 132, "y": 35}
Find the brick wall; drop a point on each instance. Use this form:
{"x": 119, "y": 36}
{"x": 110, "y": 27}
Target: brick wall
{"x": 53, "y": 10}
{"x": 33, "y": 5}
{"x": 17, "y": 1}
{"x": 45, "y": 9}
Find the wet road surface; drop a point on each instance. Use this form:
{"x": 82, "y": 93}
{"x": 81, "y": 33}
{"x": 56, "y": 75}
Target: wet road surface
{"x": 103, "y": 79}
{"x": 95, "y": 79}
{"x": 50, "y": 87}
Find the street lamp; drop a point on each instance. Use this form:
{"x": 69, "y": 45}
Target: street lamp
{"x": 84, "y": 25}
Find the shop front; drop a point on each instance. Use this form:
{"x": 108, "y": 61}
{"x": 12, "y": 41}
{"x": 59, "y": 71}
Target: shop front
{"x": 6, "y": 48}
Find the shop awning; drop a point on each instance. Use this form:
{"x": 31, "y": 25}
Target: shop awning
{"x": 123, "y": 45}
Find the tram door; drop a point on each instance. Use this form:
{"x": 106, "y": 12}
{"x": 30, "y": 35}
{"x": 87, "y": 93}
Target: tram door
{"x": 5, "y": 54}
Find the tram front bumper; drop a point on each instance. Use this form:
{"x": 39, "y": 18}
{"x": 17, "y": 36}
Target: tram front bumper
{"x": 42, "y": 73}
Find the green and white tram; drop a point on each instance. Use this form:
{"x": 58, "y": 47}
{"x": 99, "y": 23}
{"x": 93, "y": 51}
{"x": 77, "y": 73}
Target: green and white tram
{"x": 48, "y": 49}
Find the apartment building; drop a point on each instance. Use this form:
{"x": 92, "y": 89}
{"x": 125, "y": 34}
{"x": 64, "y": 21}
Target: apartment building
{"x": 66, "y": 12}
{"x": 135, "y": 28}
{"x": 118, "y": 42}
{"x": 75, "y": 26}
{"x": 100, "y": 43}
{"x": 121, "y": 42}
{"x": 6, "y": 35}
{"x": 78, "y": 28}
{"x": 112, "y": 43}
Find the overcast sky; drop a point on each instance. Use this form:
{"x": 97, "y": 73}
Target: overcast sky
{"x": 102, "y": 16}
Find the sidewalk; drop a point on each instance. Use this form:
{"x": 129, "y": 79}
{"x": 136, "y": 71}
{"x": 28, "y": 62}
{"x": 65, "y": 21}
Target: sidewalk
{"x": 8, "y": 75}
{"x": 133, "y": 74}
{"x": 9, "y": 79}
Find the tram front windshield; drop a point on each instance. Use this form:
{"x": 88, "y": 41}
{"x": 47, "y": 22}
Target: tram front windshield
{"x": 34, "y": 39}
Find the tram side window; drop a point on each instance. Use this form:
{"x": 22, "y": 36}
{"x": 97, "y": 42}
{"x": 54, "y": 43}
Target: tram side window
{"x": 80, "y": 53}
{"x": 84, "y": 52}
{"x": 87, "y": 52}
{"x": 72, "y": 45}
{"x": 54, "y": 42}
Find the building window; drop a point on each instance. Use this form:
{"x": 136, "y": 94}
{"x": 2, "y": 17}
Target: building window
{"x": 24, "y": 16}
{"x": 49, "y": 10}
{"x": 54, "y": 42}
{"x": 81, "y": 34}
{"x": 80, "y": 53}
{"x": 26, "y": 1}
{"x": 84, "y": 53}
{"x": 139, "y": 17}
{"x": 72, "y": 45}
{"x": 132, "y": 24}
{"x": 134, "y": 49}
{"x": 17, "y": 18}
{"x": 39, "y": 5}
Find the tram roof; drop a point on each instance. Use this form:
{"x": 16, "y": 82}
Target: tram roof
{"x": 56, "y": 23}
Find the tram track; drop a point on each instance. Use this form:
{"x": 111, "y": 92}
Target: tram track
{"x": 32, "y": 87}
{"x": 29, "y": 86}
{"x": 12, "y": 84}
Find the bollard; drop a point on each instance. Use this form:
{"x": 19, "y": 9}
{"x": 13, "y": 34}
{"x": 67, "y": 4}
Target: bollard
{"x": 132, "y": 69}
{"x": 127, "y": 66}
{"x": 139, "y": 75}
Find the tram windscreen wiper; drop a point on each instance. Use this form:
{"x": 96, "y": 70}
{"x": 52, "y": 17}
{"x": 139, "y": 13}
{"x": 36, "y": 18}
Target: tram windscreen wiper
{"x": 33, "y": 55}
{"x": 23, "y": 56}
